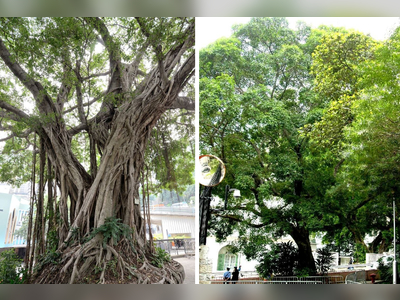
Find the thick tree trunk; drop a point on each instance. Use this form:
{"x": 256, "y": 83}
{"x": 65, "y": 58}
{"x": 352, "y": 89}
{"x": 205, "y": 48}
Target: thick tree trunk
{"x": 113, "y": 193}
{"x": 301, "y": 237}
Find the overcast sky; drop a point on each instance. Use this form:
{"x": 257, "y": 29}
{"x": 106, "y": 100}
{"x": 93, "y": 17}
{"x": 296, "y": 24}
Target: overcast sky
{"x": 210, "y": 29}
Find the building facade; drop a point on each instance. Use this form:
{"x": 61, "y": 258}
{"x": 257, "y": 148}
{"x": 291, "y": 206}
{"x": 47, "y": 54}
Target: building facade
{"x": 13, "y": 210}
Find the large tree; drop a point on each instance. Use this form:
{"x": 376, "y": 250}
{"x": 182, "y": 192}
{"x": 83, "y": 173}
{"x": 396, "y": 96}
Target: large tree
{"x": 105, "y": 83}
{"x": 275, "y": 105}
{"x": 250, "y": 119}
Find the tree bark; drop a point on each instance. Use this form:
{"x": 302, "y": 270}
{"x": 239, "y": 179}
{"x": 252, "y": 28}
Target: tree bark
{"x": 301, "y": 237}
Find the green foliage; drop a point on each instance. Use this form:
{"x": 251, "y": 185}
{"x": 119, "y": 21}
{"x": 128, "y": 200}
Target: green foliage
{"x": 113, "y": 230}
{"x": 160, "y": 257}
{"x": 221, "y": 57}
{"x": 359, "y": 253}
{"x": 11, "y": 271}
{"x": 52, "y": 240}
{"x": 385, "y": 270}
{"x": 15, "y": 162}
{"x": 282, "y": 259}
{"x": 112, "y": 266}
{"x": 324, "y": 260}
{"x": 50, "y": 257}
{"x": 170, "y": 156}
{"x": 336, "y": 63}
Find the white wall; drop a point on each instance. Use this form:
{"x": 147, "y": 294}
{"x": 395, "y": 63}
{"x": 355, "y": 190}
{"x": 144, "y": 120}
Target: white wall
{"x": 214, "y": 249}
{"x": 175, "y": 224}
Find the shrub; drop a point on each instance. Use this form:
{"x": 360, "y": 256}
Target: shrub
{"x": 160, "y": 257}
{"x": 324, "y": 260}
{"x": 385, "y": 270}
{"x": 11, "y": 270}
{"x": 281, "y": 260}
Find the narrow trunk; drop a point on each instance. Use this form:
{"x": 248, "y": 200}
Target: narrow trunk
{"x": 39, "y": 223}
{"x": 29, "y": 247}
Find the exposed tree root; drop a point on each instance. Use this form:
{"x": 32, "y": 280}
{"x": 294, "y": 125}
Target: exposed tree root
{"x": 94, "y": 262}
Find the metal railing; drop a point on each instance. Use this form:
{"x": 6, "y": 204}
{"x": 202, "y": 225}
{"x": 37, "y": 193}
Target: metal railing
{"x": 359, "y": 277}
{"x": 177, "y": 247}
{"x": 273, "y": 282}
{"x": 336, "y": 279}
{"x": 243, "y": 275}
{"x": 172, "y": 211}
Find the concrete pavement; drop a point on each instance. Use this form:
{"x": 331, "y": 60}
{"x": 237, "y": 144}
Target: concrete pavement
{"x": 189, "y": 266}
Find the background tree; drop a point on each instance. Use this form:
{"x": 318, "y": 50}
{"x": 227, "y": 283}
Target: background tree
{"x": 103, "y": 83}
{"x": 373, "y": 144}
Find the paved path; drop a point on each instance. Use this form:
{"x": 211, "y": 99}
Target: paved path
{"x": 189, "y": 266}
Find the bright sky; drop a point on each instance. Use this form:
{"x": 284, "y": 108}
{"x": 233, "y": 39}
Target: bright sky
{"x": 210, "y": 29}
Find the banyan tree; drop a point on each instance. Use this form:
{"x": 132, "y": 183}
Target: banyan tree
{"x": 101, "y": 85}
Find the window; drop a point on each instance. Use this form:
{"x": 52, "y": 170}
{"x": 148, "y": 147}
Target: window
{"x": 226, "y": 259}
{"x": 230, "y": 261}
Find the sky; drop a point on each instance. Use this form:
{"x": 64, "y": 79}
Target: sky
{"x": 209, "y": 29}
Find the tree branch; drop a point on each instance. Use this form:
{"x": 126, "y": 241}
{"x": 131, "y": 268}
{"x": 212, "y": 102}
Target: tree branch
{"x": 66, "y": 85}
{"x": 183, "y": 103}
{"x": 338, "y": 166}
{"x": 81, "y": 112}
{"x": 109, "y": 43}
{"x": 94, "y": 100}
{"x": 157, "y": 48}
{"x": 18, "y": 114}
{"x": 240, "y": 220}
{"x": 96, "y": 75}
{"x": 100, "y": 117}
{"x": 256, "y": 212}
{"x": 25, "y": 134}
{"x": 33, "y": 86}
{"x": 20, "y": 73}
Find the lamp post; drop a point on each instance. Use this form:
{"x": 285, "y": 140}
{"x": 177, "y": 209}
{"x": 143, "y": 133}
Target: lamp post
{"x": 212, "y": 173}
{"x": 205, "y": 210}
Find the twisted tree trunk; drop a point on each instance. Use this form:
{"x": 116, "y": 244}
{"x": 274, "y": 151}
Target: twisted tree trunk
{"x": 113, "y": 192}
